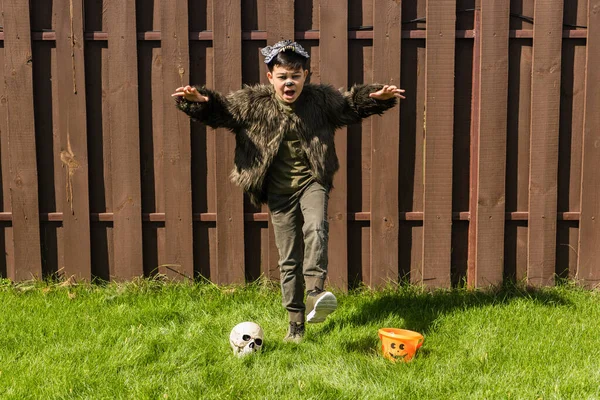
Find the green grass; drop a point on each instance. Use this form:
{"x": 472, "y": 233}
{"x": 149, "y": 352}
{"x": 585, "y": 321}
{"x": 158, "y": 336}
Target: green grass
{"x": 153, "y": 340}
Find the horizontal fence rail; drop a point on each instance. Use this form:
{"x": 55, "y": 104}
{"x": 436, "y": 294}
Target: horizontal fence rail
{"x": 486, "y": 172}
{"x": 307, "y": 35}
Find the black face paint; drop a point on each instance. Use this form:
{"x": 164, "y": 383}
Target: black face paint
{"x": 289, "y": 84}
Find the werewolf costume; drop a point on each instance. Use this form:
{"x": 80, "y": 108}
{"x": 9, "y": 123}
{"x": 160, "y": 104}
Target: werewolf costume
{"x": 266, "y": 130}
{"x": 259, "y": 123}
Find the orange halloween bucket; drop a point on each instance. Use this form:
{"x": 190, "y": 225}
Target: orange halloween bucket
{"x": 399, "y": 344}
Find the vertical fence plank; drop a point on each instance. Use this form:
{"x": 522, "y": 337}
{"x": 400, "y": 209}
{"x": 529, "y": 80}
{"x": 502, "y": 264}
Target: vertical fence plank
{"x": 6, "y": 231}
{"x": 385, "y": 137}
{"x": 227, "y": 44}
{"x": 73, "y": 137}
{"x": 545, "y": 106}
{"x": 474, "y": 151}
{"x": 517, "y": 156}
{"x": 280, "y": 21}
{"x": 334, "y": 70}
{"x": 21, "y": 138}
{"x": 177, "y": 143}
{"x": 280, "y": 26}
{"x": 439, "y": 120}
{"x": 588, "y": 268}
{"x": 489, "y": 201}
{"x": 124, "y": 131}
{"x": 410, "y": 192}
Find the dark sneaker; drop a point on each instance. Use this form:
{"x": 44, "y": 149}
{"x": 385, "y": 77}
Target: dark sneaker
{"x": 319, "y": 305}
{"x": 295, "y": 332}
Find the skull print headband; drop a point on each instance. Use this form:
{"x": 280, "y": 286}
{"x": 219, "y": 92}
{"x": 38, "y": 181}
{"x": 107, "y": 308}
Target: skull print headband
{"x": 270, "y": 52}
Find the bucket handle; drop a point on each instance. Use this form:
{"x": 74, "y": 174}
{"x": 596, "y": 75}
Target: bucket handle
{"x": 420, "y": 343}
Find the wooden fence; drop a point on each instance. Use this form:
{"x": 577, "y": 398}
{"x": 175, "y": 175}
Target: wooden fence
{"x": 489, "y": 170}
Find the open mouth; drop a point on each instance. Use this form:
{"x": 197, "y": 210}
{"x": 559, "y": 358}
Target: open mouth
{"x": 289, "y": 93}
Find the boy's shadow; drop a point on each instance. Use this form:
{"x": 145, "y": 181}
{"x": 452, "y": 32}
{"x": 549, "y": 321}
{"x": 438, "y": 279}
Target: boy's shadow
{"x": 419, "y": 309}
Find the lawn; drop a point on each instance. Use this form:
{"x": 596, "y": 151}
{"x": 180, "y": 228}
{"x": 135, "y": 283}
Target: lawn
{"x": 149, "y": 339}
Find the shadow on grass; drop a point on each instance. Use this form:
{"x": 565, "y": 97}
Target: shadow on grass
{"x": 420, "y": 309}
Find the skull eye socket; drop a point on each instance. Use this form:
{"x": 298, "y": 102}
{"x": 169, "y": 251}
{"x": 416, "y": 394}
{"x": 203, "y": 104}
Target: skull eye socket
{"x": 245, "y": 338}
{"x": 258, "y": 341}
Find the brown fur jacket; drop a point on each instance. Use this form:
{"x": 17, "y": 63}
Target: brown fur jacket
{"x": 259, "y": 123}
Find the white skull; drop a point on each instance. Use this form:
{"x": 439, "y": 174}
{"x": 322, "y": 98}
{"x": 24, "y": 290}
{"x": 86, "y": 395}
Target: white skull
{"x": 246, "y": 338}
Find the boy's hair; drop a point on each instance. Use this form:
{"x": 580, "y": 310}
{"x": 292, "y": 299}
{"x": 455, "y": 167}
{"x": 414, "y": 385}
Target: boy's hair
{"x": 288, "y": 59}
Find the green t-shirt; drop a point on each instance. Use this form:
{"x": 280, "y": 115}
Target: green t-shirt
{"x": 289, "y": 171}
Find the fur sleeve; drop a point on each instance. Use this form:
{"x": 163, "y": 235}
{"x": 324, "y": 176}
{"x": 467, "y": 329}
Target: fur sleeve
{"x": 216, "y": 112}
{"x": 354, "y": 105}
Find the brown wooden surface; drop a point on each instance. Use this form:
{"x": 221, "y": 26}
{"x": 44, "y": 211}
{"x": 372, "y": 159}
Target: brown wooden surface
{"x": 176, "y": 145}
{"x": 51, "y": 182}
{"x": 588, "y": 268}
{"x": 474, "y": 147}
{"x": 333, "y": 52}
{"x": 412, "y": 147}
{"x": 280, "y": 26}
{"x": 211, "y": 165}
{"x": 385, "y": 138}
{"x": 519, "y": 140}
{"x": 489, "y": 199}
{"x": 21, "y": 141}
{"x": 151, "y": 102}
{"x": 72, "y": 122}
{"x": 227, "y": 72}
{"x": 570, "y": 148}
{"x": 359, "y": 167}
{"x": 545, "y": 105}
{"x": 55, "y": 231}
{"x": 439, "y": 120}
{"x": 517, "y": 157}
{"x": 327, "y": 37}
{"x": 572, "y": 106}
{"x": 96, "y": 67}
{"x": 362, "y": 33}
{"x": 124, "y": 130}
{"x": 280, "y": 21}
{"x": 6, "y": 231}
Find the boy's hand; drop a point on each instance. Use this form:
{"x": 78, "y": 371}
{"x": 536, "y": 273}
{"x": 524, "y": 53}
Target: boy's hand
{"x": 190, "y": 93}
{"x": 387, "y": 92}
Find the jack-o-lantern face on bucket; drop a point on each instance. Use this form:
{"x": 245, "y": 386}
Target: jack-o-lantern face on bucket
{"x": 397, "y": 350}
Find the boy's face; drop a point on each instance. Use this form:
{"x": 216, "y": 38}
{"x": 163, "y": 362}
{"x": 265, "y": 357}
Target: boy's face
{"x": 288, "y": 83}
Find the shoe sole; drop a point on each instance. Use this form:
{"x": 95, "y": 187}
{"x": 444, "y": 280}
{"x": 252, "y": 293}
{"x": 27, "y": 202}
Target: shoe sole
{"x": 323, "y": 307}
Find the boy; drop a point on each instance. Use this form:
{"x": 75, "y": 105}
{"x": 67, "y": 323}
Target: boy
{"x": 285, "y": 157}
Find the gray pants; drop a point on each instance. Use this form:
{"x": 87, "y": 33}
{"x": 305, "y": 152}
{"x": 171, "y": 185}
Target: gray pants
{"x": 300, "y": 220}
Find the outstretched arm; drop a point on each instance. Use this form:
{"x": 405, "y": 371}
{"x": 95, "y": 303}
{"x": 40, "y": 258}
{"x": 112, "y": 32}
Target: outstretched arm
{"x": 206, "y": 106}
{"x": 388, "y": 92}
{"x": 362, "y": 101}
